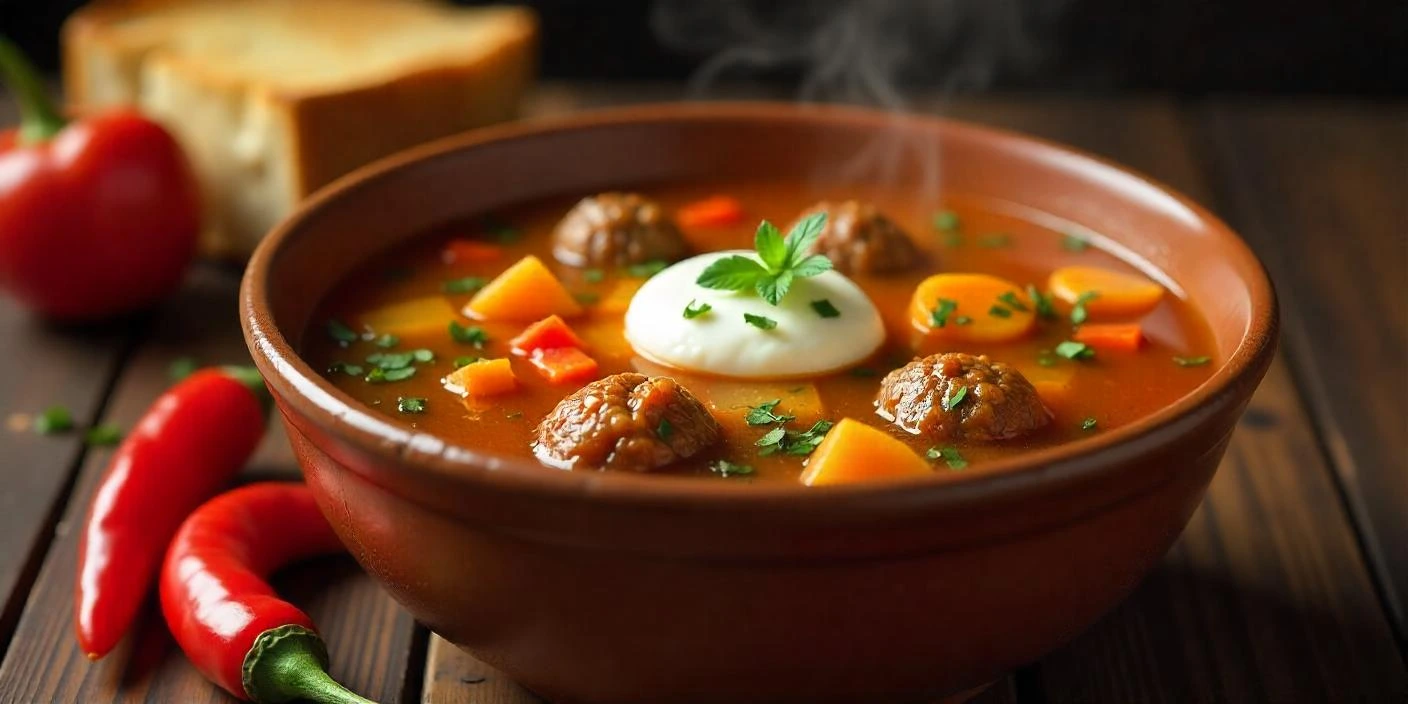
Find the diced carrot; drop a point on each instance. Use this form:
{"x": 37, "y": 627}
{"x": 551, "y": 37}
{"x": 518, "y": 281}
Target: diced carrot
{"x": 470, "y": 252}
{"x": 416, "y": 316}
{"x": 857, "y": 452}
{"x": 619, "y": 299}
{"x": 525, "y": 292}
{"x": 1111, "y": 336}
{"x": 717, "y": 211}
{"x": 605, "y": 340}
{"x": 1105, "y": 293}
{"x": 971, "y": 308}
{"x": 561, "y": 365}
{"x": 1052, "y": 383}
{"x": 546, "y": 334}
{"x": 486, "y": 377}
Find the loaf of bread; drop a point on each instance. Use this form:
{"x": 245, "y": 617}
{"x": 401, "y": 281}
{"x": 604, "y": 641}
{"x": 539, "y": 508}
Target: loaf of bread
{"x": 273, "y": 99}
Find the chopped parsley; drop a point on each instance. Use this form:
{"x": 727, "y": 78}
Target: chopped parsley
{"x": 502, "y": 231}
{"x": 54, "y": 419}
{"x": 340, "y": 333}
{"x": 645, "y": 270}
{"x": 465, "y": 361}
{"x": 949, "y": 454}
{"x": 386, "y": 342}
{"x": 468, "y": 334}
{"x": 102, "y": 435}
{"x": 726, "y": 469}
{"x": 695, "y": 309}
{"x": 998, "y": 311}
{"x": 1078, "y": 313}
{"x": 763, "y": 414}
{"x": 467, "y": 284}
{"x": 946, "y": 221}
{"x": 995, "y": 241}
{"x": 779, "y": 262}
{"x": 942, "y": 309}
{"x": 1088, "y": 424}
{"x": 410, "y": 404}
{"x": 1074, "y": 243}
{"x": 962, "y": 320}
{"x": 665, "y": 430}
{"x": 593, "y": 276}
{"x": 1010, "y": 298}
{"x": 391, "y": 360}
{"x": 955, "y": 397}
{"x": 824, "y": 308}
{"x": 181, "y": 367}
{"x": 759, "y": 321}
{"x": 1042, "y": 301}
{"x": 1075, "y": 350}
{"x": 1046, "y": 359}
{"x": 423, "y": 355}
{"x": 345, "y": 368}
{"x": 779, "y": 440}
{"x": 1191, "y": 361}
{"x": 378, "y": 375}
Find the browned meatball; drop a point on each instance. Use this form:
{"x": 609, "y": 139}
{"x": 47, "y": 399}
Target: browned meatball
{"x": 625, "y": 422}
{"x": 999, "y": 404}
{"x": 617, "y": 229}
{"x": 859, "y": 239}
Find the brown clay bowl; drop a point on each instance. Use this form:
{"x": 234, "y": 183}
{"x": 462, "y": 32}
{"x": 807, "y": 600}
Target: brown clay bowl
{"x": 593, "y": 587}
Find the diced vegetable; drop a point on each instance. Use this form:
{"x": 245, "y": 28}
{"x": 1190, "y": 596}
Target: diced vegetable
{"x": 718, "y": 211}
{"x": 857, "y": 452}
{"x": 1051, "y": 381}
{"x": 408, "y": 318}
{"x": 605, "y": 339}
{"x": 470, "y": 252}
{"x": 525, "y": 292}
{"x": 971, "y": 308}
{"x": 486, "y": 377}
{"x": 619, "y": 298}
{"x": 561, "y": 365}
{"x": 1111, "y": 336}
{"x": 546, "y": 334}
{"x": 1119, "y": 295}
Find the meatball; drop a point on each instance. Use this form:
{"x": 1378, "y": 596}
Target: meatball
{"x": 859, "y": 239}
{"x": 999, "y": 404}
{"x": 617, "y": 229}
{"x": 625, "y": 422}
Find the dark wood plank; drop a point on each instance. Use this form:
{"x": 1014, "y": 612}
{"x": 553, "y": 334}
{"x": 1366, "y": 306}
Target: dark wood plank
{"x": 1321, "y": 191}
{"x": 369, "y": 636}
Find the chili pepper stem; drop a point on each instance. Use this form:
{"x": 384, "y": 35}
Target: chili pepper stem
{"x": 40, "y": 120}
{"x": 250, "y": 377}
{"x": 290, "y": 663}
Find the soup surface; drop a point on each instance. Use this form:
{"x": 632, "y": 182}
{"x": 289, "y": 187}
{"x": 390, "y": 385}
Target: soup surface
{"x": 394, "y": 333}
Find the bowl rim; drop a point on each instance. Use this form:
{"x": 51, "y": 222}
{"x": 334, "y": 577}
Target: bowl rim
{"x": 294, "y": 381}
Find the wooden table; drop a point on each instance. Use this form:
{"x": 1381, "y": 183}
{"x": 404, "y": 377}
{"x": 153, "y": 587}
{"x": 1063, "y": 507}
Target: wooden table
{"x": 1289, "y": 585}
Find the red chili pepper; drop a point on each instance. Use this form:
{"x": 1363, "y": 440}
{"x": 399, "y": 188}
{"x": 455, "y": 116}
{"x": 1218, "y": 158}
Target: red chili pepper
{"x": 97, "y": 217}
{"x": 193, "y": 439}
{"x": 227, "y": 619}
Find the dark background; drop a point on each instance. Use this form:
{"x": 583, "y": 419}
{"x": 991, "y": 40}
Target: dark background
{"x": 1089, "y": 46}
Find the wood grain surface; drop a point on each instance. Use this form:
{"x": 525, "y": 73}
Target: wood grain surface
{"x": 1283, "y": 588}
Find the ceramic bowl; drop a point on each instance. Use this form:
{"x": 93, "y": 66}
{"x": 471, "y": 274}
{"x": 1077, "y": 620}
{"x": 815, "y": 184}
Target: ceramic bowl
{"x": 601, "y": 587}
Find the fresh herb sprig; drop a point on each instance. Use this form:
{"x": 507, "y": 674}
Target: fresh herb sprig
{"x": 780, "y": 261}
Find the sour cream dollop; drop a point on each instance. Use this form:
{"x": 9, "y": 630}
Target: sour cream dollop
{"x": 721, "y": 342}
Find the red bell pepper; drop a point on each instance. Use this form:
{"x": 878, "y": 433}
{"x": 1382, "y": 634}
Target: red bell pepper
{"x": 97, "y": 217}
{"x": 191, "y": 442}
{"x": 227, "y": 619}
{"x": 562, "y": 365}
{"x": 715, "y": 211}
{"x": 549, "y": 333}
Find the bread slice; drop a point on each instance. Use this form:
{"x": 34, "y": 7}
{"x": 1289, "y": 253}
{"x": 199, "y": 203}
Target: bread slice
{"x": 274, "y": 98}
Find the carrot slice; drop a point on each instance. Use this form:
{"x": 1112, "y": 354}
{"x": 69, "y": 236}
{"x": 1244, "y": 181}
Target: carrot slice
{"x": 470, "y": 252}
{"x": 718, "y": 211}
{"x": 1105, "y": 293}
{"x": 971, "y": 308}
{"x": 561, "y": 365}
{"x": 856, "y": 452}
{"x": 414, "y": 317}
{"x": 1111, "y": 336}
{"x": 549, "y": 333}
{"x": 525, "y": 292}
{"x": 486, "y": 377}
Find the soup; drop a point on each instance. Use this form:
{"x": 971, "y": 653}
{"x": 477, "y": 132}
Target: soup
{"x": 648, "y": 333}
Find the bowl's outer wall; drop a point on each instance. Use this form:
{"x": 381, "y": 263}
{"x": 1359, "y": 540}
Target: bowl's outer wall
{"x": 662, "y": 595}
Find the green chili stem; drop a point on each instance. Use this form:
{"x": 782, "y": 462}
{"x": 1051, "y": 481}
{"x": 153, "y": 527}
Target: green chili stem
{"x": 39, "y": 119}
{"x": 289, "y": 663}
{"x": 250, "y": 377}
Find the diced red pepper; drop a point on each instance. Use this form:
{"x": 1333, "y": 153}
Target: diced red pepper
{"x": 718, "y": 211}
{"x": 547, "y": 334}
{"x": 470, "y": 252}
{"x": 564, "y": 364}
